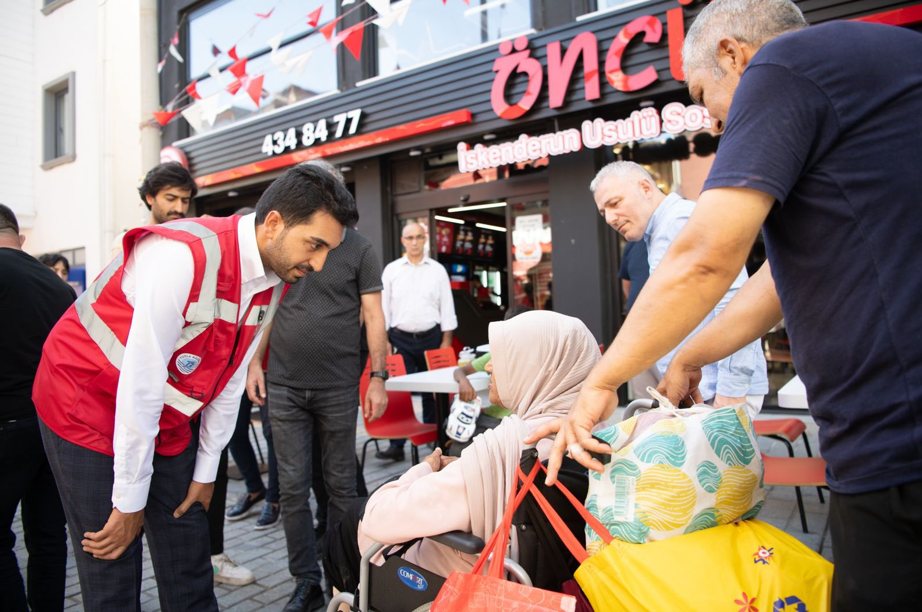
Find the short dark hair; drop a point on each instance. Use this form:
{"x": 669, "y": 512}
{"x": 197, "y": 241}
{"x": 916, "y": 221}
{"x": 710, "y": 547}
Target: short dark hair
{"x": 8, "y": 220}
{"x": 516, "y": 310}
{"x": 244, "y": 210}
{"x": 51, "y": 259}
{"x": 302, "y": 191}
{"x": 168, "y": 174}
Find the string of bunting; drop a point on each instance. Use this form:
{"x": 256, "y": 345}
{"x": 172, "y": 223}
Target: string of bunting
{"x": 205, "y": 109}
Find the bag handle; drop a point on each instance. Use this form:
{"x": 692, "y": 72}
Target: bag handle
{"x": 666, "y": 406}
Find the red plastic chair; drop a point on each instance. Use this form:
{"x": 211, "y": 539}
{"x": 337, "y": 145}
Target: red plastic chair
{"x": 786, "y": 431}
{"x": 796, "y": 472}
{"x": 399, "y": 420}
{"x": 441, "y": 358}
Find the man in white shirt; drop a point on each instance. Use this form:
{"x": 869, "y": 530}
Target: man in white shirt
{"x": 140, "y": 383}
{"x": 419, "y": 312}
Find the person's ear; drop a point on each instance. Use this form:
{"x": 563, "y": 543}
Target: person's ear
{"x": 150, "y": 201}
{"x": 273, "y": 225}
{"x": 22, "y": 239}
{"x": 732, "y": 55}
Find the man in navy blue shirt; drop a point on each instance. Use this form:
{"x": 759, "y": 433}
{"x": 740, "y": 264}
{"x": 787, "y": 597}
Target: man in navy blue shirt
{"x": 821, "y": 144}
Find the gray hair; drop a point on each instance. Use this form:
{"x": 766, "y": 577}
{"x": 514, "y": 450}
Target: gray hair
{"x": 754, "y": 22}
{"x": 621, "y": 169}
{"x": 325, "y": 165}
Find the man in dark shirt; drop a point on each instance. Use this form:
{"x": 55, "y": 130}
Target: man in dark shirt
{"x": 313, "y": 383}
{"x": 822, "y": 146}
{"x": 32, "y": 299}
{"x": 634, "y": 272}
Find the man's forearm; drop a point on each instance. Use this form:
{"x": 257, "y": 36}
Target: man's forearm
{"x": 377, "y": 341}
{"x": 446, "y": 338}
{"x": 750, "y": 314}
{"x": 697, "y": 270}
{"x": 263, "y": 345}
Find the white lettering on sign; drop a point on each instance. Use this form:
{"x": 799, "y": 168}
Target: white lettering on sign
{"x": 675, "y": 118}
{"x": 311, "y": 133}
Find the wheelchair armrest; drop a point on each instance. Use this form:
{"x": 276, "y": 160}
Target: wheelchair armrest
{"x": 461, "y": 541}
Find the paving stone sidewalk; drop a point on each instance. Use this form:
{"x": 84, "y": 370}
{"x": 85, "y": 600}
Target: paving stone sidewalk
{"x": 264, "y": 552}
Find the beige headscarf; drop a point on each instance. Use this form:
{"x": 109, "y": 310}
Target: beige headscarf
{"x": 540, "y": 360}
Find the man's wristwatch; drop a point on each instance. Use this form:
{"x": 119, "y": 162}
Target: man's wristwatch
{"x": 379, "y": 374}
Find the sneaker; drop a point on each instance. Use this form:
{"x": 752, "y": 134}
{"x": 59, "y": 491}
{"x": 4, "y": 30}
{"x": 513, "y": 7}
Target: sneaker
{"x": 243, "y": 506}
{"x": 393, "y": 453}
{"x": 269, "y": 516}
{"x": 228, "y": 572}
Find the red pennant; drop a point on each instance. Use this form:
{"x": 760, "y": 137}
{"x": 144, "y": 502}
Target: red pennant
{"x": 234, "y": 86}
{"x": 239, "y": 68}
{"x": 314, "y": 18}
{"x": 192, "y": 91}
{"x": 175, "y": 40}
{"x": 163, "y": 117}
{"x": 327, "y": 30}
{"x": 233, "y": 53}
{"x": 352, "y": 39}
{"x": 255, "y": 89}
{"x": 215, "y": 51}
{"x": 266, "y": 15}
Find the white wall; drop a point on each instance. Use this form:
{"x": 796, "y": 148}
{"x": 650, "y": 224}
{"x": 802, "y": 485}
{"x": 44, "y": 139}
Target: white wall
{"x": 17, "y": 108}
{"x": 112, "y": 49}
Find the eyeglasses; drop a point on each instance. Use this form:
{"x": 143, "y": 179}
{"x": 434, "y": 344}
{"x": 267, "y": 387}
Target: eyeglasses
{"x": 414, "y": 238}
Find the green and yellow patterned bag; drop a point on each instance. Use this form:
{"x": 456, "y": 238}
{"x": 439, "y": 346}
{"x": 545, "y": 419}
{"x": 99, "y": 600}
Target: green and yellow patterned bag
{"x": 691, "y": 469}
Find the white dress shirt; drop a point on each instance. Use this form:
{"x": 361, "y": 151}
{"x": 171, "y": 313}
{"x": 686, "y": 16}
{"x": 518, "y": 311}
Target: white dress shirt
{"x": 417, "y": 297}
{"x": 157, "y": 280}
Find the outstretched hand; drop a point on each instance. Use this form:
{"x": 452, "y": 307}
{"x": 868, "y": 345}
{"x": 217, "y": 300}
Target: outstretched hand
{"x": 573, "y": 433}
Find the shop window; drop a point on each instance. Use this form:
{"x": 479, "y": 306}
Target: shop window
{"x": 606, "y": 5}
{"x": 220, "y": 26}
{"x": 432, "y": 30}
{"x": 532, "y": 273}
{"x": 58, "y": 122}
{"x": 441, "y": 172}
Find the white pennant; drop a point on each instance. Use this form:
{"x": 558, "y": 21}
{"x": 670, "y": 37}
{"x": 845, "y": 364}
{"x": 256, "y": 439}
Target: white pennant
{"x": 193, "y": 115}
{"x": 209, "y": 108}
{"x": 299, "y": 63}
{"x": 281, "y": 59}
{"x": 382, "y": 7}
{"x": 175, "y": 53}
{"x": 397, "y": 14}
{"x": 214, "y": 72}
{"x": 275, "y": 41}
{"x": 348, "y": 2}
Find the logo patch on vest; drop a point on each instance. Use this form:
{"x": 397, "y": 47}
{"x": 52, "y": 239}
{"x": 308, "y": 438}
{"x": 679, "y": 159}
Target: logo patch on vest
{"x": 186, "y": 363}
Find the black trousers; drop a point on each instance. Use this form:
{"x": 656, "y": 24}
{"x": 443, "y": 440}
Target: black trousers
{"x": 26, "y": 476}
{"x": 179, "y": 548}
{"x": 877, "y": 543}
{"x": 413, "y": 350}
{"x": 215, "y": 514}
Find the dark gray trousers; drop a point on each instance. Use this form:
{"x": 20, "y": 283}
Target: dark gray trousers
{"x": 296, "y": 415}
{"x": 179, "y": 548}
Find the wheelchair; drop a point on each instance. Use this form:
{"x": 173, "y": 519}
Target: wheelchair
{"x": 400, "y": 586}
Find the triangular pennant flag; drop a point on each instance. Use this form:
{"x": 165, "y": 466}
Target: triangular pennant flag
{"x": 175, "y": 53}
{"x": 209, "y": 108}
{"x": 397, "y": 14}
{"x": 266, "y": 15}
{"x": 467, "y": 2}
{"x": 193, "y": 115}
{"x": 313, "y": 18}
{"x": 299, "y": 63}
{"x": 215, "y": 51}
{"x": 213, "y": 70}
{"x": 348, "y": 2}
{"x": 275, "y": 41}
{"x": 234, "y": 86}
{"x": 327, "y": 30}
{"x": 163, "y": 117}
{"x": 252, "y": 30}
{"x": 175, "y": 39}
{"x": 382, "y": 7}
{"x": 192, "y": 91}
{"x": 352, "y": 39}
{"x": 280, "y": 59}
{"x": 233, "y": 53}
{"x": 239, "y": 68}
{"x": 255, "y": 88}
{"x": 160, "y": 65}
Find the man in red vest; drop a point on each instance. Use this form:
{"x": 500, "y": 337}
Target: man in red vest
{"x": 140, "y": 382}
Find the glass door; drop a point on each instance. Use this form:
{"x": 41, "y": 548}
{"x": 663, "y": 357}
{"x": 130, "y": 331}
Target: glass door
{"x": 531, "y": 253}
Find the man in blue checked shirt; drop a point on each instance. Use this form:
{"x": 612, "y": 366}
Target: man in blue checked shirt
{"x": 630, "y": 201}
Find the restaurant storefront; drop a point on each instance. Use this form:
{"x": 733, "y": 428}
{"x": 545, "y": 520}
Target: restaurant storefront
{"x": 483, "y": 121}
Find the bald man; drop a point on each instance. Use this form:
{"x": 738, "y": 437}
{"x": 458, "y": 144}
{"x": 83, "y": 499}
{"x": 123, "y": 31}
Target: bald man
{"x": 419, "y": 313}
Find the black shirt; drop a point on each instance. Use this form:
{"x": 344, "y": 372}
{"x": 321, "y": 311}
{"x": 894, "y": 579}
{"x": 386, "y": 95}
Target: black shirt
{"x": 315, "y": 339}
{"x": 32, "y": 299}
{"x": 827, "y": 121}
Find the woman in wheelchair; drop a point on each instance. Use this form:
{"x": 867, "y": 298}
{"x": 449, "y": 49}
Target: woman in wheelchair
{"x": 540, "y": 360}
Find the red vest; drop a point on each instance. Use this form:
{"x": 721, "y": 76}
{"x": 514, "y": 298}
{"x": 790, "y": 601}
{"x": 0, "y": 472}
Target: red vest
{"x": 77, "y": 379}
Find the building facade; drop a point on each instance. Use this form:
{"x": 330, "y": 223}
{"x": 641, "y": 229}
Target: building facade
{"x": 483, "y": 120}
{"x": 75, "y": 134}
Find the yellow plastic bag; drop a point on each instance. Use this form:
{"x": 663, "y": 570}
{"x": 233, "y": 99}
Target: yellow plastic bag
{"x": 741, "y": 567}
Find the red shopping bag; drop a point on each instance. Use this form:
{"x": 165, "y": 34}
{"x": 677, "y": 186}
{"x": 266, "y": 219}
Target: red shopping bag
{"x": 475, "y": 592}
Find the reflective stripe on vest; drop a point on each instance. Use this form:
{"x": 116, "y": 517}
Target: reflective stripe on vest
{"x": 95, "y": 327}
